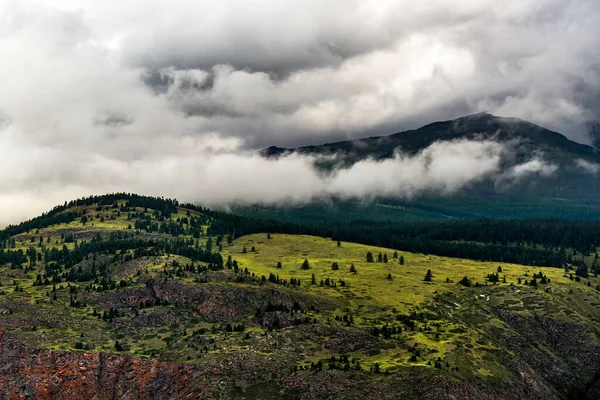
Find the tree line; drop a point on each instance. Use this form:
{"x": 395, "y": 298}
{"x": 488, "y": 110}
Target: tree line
{"x": 527, "y": 242}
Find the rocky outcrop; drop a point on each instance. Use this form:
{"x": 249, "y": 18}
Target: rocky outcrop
{"x": 50, "y": 374}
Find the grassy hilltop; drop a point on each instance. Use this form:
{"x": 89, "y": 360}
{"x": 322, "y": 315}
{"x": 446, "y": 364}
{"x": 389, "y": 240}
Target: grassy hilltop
{"x": 150, "y": 279}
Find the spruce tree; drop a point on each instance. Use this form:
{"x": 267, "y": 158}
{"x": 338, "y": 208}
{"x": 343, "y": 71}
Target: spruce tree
{"x": 465, "y": 281}
{"x": 428, "y": 276}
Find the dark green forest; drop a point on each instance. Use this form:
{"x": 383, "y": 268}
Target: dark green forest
{"x": 547, "y": 242}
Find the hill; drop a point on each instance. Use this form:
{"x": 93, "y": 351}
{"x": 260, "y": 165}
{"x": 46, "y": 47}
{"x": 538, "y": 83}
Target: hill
{"x": 571, "y": 191}
{"x": 476, "y": 126}
{"x": 573, "y": 164}
{"x": 135, "y": 297}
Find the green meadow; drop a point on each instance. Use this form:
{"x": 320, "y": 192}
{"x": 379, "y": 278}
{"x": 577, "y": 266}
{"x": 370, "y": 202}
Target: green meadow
{"x": 373, "y": 299}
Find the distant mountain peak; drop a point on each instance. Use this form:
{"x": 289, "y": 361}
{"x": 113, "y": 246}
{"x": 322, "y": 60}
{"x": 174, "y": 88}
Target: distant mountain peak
{"x": 477, "y": 116}
{"x": 475, "y": 126}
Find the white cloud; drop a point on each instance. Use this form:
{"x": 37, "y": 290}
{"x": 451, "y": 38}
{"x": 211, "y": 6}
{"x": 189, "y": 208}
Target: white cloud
{"x": 535, "y": 167}
{"x": 227, "y": 178}
{"x": 587, "y": 166}
{"x": 161, "y": 97}
{"x": 443, "y": 167}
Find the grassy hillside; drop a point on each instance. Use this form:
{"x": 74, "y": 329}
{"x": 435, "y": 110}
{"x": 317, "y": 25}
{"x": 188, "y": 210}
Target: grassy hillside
{"x": 550, "y": 242}
{"x": 374, "y": 300}
{"x": 147, "y": 278}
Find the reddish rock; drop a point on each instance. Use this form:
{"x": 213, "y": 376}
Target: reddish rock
{"x": 50, "y": 374}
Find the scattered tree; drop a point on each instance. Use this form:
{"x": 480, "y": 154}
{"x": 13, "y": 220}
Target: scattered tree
{"x": 465, "y": 281}
{"x": 305, "y": 264}
{"x": 428, "y": 276}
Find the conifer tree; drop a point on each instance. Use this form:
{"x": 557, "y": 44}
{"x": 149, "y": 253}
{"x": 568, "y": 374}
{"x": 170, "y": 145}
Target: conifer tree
{"x": 465, "y": 281}
{"x": 428, "y": 276}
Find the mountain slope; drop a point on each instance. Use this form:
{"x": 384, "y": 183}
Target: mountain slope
{"x": 474, "y": 126}
{"x": 135, "y": 297}
{"x": 570, "y": 190}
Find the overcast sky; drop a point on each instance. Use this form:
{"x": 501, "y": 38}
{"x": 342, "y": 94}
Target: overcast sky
{"x": 95, "y": 95}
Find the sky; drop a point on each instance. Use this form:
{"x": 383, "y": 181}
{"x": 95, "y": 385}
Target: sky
{"x": 172, "y": 97}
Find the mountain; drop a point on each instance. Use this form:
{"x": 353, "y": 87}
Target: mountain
{"x": 594, "y": 133}
{"x": 477, "y": 126}
{"x": 571, "y": 191}
{"x": 135, "y": 297}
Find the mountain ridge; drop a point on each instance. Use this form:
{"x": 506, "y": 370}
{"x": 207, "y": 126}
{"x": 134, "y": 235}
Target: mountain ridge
{"x": 566, "y": 169}
{"x": 480, "y": 125}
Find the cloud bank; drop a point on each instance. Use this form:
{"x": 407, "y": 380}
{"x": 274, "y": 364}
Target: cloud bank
{"x": 232, "y": 178}
{"x": 169, "y": 98}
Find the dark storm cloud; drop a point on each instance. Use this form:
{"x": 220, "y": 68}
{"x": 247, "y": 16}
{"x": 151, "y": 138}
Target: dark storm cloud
{"x": 276, "y": 37}
{"x": 374, "y": 68}
{"x": 113, "y": 120}
{"x": 168, "y": 97}
{"x": 294, "y": 73}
